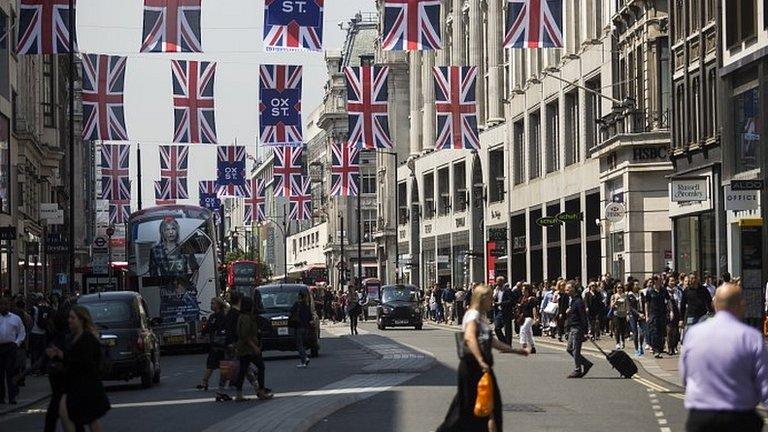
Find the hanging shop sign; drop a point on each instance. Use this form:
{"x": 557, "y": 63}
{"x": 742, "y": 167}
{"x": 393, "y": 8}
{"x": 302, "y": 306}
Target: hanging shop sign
{"x": 689, "y": 189}
{"x": 567, "y": 217}
{"x": 747, "y": 185}
{"x": 739, "y": 200}
{"x": 614, "y": 212}
{"x": 547, "y": 221}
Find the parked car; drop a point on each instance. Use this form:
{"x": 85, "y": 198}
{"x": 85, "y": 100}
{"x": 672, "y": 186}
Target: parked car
{"x": 276, "y": 302}
{"x": 400, "y": 306}
{"x": 131, "y": 348}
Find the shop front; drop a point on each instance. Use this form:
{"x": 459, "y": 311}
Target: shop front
{"x": 694, "y": 224}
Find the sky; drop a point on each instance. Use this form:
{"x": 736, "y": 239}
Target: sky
{"x": 232, "y": 37}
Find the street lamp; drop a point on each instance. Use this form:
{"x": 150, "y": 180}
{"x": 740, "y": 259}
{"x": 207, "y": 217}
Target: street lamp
{"x": 110, "y": 233}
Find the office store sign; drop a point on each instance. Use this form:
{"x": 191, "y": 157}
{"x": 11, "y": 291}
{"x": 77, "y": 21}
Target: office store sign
{"x": 695, "y": 189}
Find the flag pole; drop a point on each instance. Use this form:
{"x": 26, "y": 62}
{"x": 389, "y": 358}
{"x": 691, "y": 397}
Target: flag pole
{"x": 71, "y": 279}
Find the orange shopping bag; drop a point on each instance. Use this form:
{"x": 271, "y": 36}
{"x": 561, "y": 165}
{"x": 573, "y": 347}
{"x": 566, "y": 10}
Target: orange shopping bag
{"x": 765, "y": 326}
{"x": 484, "y": 401}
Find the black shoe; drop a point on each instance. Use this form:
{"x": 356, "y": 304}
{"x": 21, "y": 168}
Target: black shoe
{"x": 586, "y": 369}
{"x": 533, "y": 350}
{"x": 575, "y": 374}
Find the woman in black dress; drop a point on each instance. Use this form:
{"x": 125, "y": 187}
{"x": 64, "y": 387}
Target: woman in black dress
{"x": 476, "y": 359}
{"x": 84, "y": 401}
{"x": 217, "y": 336}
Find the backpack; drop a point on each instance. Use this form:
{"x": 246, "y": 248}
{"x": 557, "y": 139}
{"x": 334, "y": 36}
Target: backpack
{"x": 43, "y": 317}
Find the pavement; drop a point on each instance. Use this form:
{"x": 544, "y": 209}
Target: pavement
{"x": 665, "y": 369}
{"x": 536, "y": 394}
{"x": 349, "y": 369}
{"x": 35, "y": 390}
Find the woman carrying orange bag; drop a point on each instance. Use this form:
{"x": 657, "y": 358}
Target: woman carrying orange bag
{"x": 476, "y": 361}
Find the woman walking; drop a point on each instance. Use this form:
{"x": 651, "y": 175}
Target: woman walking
{"x": 563, "y": 302}
{"x": 217, "y": 335}
{"x": 636, "y": 317}
{"x": 84, "y": 401}
{"x": 476, "y": 359}
{"x": 619, "y": 307}
{"x": 353, "y": 306}
{"x": 530, "y": 315}
{"x": 249, "y": 350}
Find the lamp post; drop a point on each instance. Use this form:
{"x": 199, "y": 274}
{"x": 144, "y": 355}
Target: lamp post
{"x": 342, "y": 262}
{"x": 110, "y": 233}
{"x": 394, "y": 218}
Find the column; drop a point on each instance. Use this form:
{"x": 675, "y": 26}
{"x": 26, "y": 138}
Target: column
{"x": 414, "y": 63}
{"x": 428, "y": 92}
{"x": 495, "y": 53}
{"x": 458, "y": 34}
{"x": 476, "y": 55}
{"x": 441, "y": 57}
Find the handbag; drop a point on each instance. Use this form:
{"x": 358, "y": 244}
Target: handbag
{"x": 551, "y": 308}
{"x": 228, "y": 369}
{"x": 484, "y": 401}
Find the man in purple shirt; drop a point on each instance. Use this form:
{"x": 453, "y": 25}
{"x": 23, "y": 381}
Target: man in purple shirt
{"x": 724, "y": 367}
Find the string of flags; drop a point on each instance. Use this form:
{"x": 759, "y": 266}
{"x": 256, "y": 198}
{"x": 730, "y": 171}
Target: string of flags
{"x": 174, "y": 26}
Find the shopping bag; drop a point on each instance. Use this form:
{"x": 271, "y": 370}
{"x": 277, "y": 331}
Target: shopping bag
{"x": 484, "y": 401}
{"x": 228, "y": 369}
{"x": 765, "y": 326}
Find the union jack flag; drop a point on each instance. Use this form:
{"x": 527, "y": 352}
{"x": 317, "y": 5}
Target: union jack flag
{"x": 103, "y": 87}
{"x": 412, "y": 25}
{"x": 174, "y": 161}
{"x": 367, "y": 95}
{"x": 290, "y": 24}
{"x": 208, "y": 194}
{"x": 534, "y": 24}
{"x": 256, "y": 201}
{"x": 456, "y": 107}
{"x": 115, "y": 180}
{"x": 286, "y": 166}
{"x": 345, "y": 170}
{"x": 301, "y": 198}
{"x": 280, "y": 107}
{"x": 44, "y": 27}
{"x": 163, "y": 194}
{"x": 230, "y": 171}
{"x": 119, "y": 211}
{"x": 172, "y": 26}
{"x": 193, "y": 103}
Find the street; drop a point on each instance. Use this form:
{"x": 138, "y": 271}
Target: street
{"x": 535, "y": 393}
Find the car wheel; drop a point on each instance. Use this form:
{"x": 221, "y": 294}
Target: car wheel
{"x": 147, "y": 375}
{"x": 156, "y": 376}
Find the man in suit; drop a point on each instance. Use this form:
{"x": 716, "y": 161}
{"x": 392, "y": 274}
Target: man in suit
{"x": 504, "y": 305}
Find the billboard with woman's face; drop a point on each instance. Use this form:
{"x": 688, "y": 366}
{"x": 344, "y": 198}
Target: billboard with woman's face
{"x": 171, "y": 250}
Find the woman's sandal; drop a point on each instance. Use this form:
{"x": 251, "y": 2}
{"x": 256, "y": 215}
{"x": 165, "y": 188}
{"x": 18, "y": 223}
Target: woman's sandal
{"x": 223, "y": 397}
{"x": 203, "y": 387}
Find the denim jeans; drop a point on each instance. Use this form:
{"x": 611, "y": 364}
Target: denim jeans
{"x": 301, "y": 335}
{"x": 575, "y": 339}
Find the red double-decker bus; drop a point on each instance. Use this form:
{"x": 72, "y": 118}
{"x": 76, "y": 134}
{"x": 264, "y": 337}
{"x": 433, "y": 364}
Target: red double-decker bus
{"x": 243, "y": 276}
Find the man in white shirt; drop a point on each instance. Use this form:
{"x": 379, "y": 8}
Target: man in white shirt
{"x": 12, "y": 335}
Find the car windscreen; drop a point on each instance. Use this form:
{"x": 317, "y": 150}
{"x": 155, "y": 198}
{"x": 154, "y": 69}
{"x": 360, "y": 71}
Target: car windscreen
{"x": 278, "y": 299}
{"x": 392, "y": 294}
{"x": 110, "y": 314}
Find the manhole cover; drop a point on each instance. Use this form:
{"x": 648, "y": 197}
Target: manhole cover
{"x": 522, "y": 408}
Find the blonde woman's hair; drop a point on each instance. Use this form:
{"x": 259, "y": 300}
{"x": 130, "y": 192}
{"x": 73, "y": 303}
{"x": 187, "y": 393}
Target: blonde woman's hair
{"x": 478, "y": 293}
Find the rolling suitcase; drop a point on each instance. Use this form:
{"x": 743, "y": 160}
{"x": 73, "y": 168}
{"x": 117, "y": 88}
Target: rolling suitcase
{"x": 620, "y": 361}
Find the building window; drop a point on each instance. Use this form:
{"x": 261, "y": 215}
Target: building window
{"x": 369, "y": 224}
{"x": 518, "y": 156}
{"x": 711, "y": 116}
{"x": 459, "y": 187}
{"x": 572, "y": 136}
{"x": 368, "y": 182}
{"x": 681, "y": 134}
{"x": 429, "y": 196}
{"x": 534, "y": 145}
{"x": 496, "y": 175}
{"x": 5, "y": 54}
{"x": 696, "y": 110}
{"x": 665, "y": 82}
{"x": 694, "y": 15}
{"x": 679, "y": 20}
{"x": 5, "y": 166}
{"x": 49, "y": 118}
{"x": 553, "y": 137}
{"x": 592, "y": 111}
{"x": 747, "y": 128}
{"x": 712, "y": 10}
{"x": 740, "y": 22}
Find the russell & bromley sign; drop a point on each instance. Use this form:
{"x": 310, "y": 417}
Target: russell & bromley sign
{"x": 689, "y": 189}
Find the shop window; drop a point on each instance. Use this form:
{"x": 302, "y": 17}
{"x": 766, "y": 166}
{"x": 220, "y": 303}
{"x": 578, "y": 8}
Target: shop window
{"x": 518, "y": 156}
{"x": 535, "y": 233}
{"x": 496, "y": 175}
{"x": 687, "y": 244}
{"x": 710, "y": 106}
{"x": 553, "y": 231}
{"x": 740, "y": 22}
{"x": 572, "y": 148}
{"x": 593, "y": 114}
{"x": 553, "y": 137}
{"x": 49, "y": 116}
{"x": 747, "y": 129}
{"x": 681, "y": 125}
{"x": 534, "y": 146}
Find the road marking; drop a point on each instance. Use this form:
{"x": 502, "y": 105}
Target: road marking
{"x": 665, "y": 429}
{"x": 662, "y": 421}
